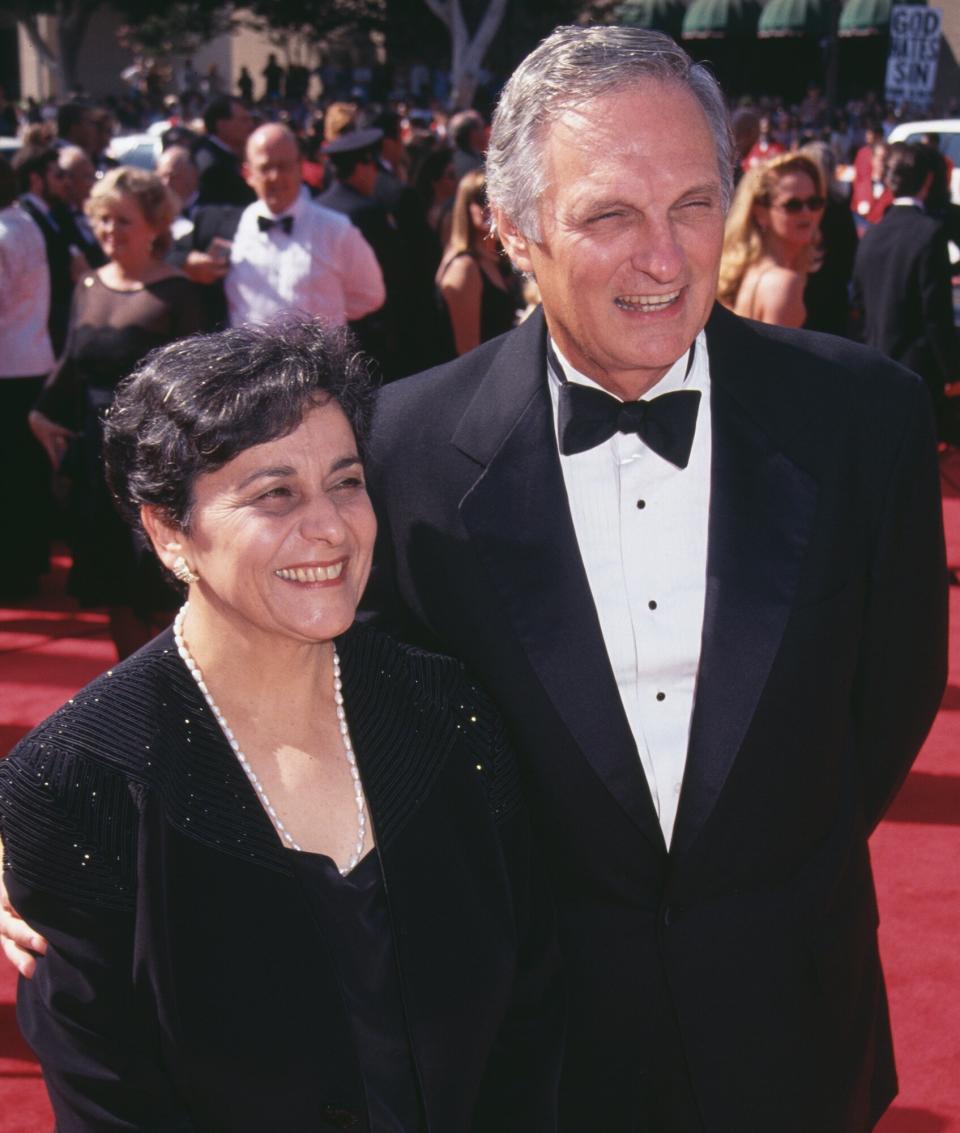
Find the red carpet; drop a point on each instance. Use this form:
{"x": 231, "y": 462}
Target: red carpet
{"x": 48, "y": 650}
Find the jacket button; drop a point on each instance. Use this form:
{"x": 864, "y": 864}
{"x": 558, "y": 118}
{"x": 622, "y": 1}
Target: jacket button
{"x": 671, "y": 914}
{"x": 339, "y": 1118}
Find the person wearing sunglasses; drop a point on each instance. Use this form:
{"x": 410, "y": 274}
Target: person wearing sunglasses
{"x": 770, "y": 240}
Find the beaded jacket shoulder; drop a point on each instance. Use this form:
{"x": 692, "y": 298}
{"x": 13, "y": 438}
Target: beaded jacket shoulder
{"x": 435, "y": 712}
{"x": 73, "y": 794}
{"x": 71, "y": 791}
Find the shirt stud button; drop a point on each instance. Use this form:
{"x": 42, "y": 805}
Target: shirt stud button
{"x": 652, "y": 604}
{"x": 661, "y": 696}
{"x": 641, "y": 504}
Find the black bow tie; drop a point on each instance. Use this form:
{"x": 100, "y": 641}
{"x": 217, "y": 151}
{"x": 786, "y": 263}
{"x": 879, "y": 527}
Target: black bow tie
{"x": 264, "y": 223}
{"x": 588, "y": 417}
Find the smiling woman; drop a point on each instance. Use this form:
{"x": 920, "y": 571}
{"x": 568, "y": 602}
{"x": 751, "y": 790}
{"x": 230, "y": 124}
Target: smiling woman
{"x": 269, "y": 771}
{"x": 120, "y": 312}
{"x": 771, "y": 239}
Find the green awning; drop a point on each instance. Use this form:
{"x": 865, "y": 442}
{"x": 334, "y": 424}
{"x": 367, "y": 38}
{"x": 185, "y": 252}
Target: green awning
{"x": 790, "y": 18}
{"x": 653, "y": 15}
{"x": 864, "y": 17}
{"x": 718, "y": 19}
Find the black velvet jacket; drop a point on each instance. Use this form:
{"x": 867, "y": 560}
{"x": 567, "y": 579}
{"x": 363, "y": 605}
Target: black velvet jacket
{"x": 187, "y": 986}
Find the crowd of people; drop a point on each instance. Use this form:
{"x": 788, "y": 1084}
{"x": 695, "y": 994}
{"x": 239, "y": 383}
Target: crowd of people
{"x": 366, "y": 217}
{"x": 690, "y": 555}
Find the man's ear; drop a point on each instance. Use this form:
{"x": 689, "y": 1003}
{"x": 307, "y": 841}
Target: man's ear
{"x": 167, "y": 540}
{"x": 245, "y": 172}
{"x": 515, "y": 244}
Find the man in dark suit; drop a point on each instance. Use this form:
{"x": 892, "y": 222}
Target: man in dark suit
{"x": 203, "y": 252}
{"x": 79, "y": 177}
{"x": 715, "y": 619}
{"x": 219, "y": 155}
{"x": 901, "y": 283}
{"x": 353, "y": 159}
{"x": 41, "y": 183}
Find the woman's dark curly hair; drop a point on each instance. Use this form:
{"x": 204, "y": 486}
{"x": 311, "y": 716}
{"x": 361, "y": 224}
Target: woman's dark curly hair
{"x": 194, "y": 405}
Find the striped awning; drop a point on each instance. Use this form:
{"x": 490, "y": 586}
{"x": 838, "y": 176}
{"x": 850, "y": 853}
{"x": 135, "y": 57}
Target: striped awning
{"x": 864, "y": 17}
{"x": 781, "y": 18}
{"x": 718, "y": 19}
{"x": 654, "y": 15}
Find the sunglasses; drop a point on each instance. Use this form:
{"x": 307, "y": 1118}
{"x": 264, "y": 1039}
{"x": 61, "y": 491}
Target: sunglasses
{"x": 795, "y": 204}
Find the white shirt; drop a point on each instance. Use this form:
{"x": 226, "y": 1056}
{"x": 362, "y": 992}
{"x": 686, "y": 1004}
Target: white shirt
{"x": 25, "y": 350}
{"x": 641, "y": 526}
{"x": 323, "y": 268}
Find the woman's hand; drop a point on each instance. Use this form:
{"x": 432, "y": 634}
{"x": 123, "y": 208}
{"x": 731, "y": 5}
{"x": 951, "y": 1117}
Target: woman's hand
{"x": 21, "y": 945}
{"x": 52, "y": 436}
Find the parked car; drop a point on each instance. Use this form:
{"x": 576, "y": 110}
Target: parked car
{"x": 141, "y": 150}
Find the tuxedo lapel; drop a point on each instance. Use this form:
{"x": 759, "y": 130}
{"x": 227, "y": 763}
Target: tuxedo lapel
{"x": 517, "y": 516}
{"x": 761, "y": 512}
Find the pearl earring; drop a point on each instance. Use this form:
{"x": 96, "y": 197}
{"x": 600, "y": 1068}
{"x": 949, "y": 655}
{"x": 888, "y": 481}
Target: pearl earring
{"x": 181, "y": 570}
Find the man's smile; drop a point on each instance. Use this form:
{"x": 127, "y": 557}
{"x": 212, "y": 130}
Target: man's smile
{"x": 648, "y": 303}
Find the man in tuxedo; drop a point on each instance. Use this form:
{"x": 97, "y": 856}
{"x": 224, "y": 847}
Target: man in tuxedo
{"x": 284, "y": 251}
{"x": 219, "y": 154}
{"x": 699, "y": 563}
{"x": 79, "y": 177}
{"x": 902, "y": 284}
{"x": 41, "y": 183}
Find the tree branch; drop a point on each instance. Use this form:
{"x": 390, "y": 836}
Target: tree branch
{"x": 442, "y": 10}
{"x": 37, "y": 42}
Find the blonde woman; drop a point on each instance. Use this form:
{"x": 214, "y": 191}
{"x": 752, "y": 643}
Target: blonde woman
{"x": 474, "y": 278}
{"x": 770, "y": 240}
{"x": 123, "y": 310}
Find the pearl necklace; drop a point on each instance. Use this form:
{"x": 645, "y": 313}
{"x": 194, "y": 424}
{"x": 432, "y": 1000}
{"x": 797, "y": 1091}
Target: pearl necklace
{"x": 285, "y": 834}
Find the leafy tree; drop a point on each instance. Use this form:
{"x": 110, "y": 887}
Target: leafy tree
{"x": 156, "y": 27}
{"x": 295, "y": 25}
{"x": 161, "y": 28}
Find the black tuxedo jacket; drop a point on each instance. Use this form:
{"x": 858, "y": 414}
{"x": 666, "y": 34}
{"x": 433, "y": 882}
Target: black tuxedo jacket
{"x": 87, "y": 244}
{"x": 57, "y": 239}
{"x": 209, "y": 222}
{"x": 221, "y": 182}
{"x": 752, "y": 943}
{"x": 902, "y": 282}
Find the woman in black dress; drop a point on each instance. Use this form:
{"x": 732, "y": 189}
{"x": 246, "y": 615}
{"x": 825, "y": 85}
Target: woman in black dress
{"x": 120, "y": 312}
{"x": 475, "y": 279}
{"x": 281, "y": 860}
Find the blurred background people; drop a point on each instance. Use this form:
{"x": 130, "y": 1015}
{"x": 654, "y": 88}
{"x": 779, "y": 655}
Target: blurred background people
{"x": 902, "y": 285}
{"x": 435, "y": 180}
{"x": 467, "y": 132}
{"x": 76, "y": 127}
{"x": 826, "y": 296}
{"x": 219, "y": 154}
{"x": 40, "y": 181}
{"x": 178, "y": 171}
{"x": 871, "y": 198}
{"x": 79, "y": 177}
{"x": 26, "y": 357}
{"x": 766, "y": 145}
{"x": 769, "y": 240}
{"x": 745, "y": 124}
{"x": 123, "y": 310}
{"x": 474, "y": 277}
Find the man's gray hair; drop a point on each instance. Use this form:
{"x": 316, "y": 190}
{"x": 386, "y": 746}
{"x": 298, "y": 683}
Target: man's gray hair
{"x": 574, "y": 65}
